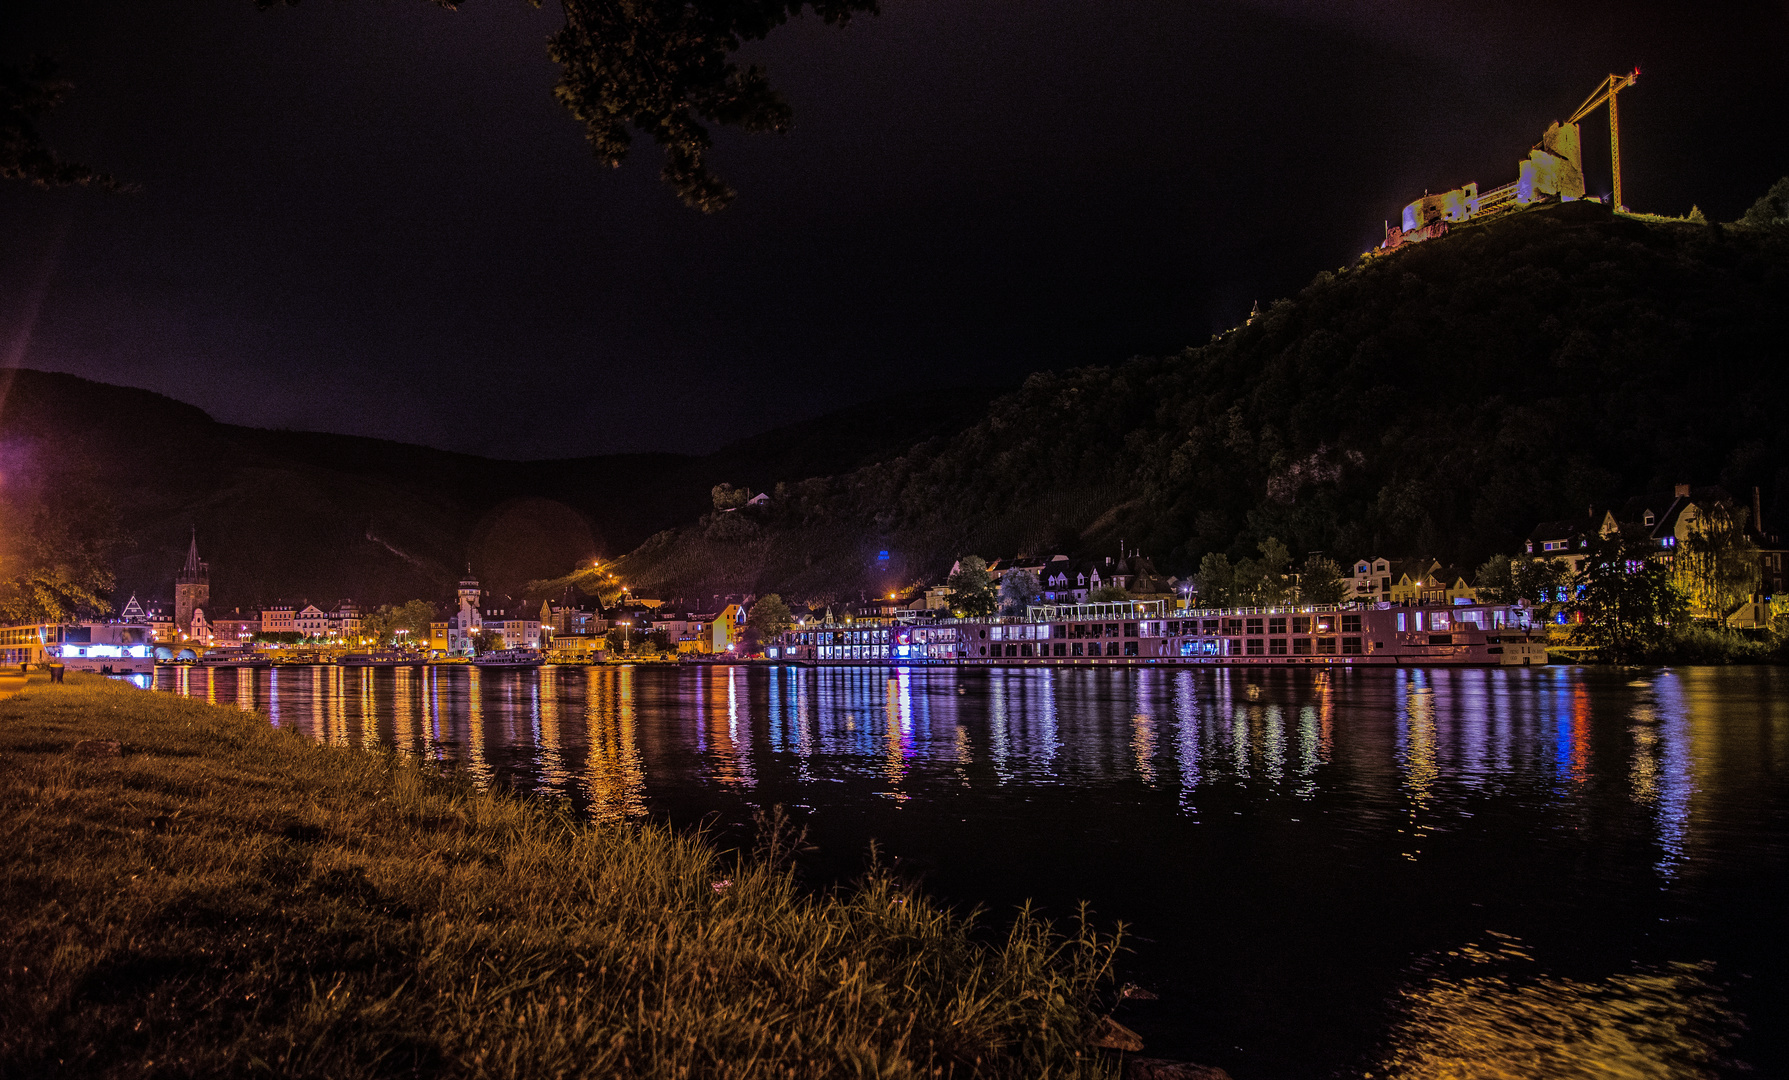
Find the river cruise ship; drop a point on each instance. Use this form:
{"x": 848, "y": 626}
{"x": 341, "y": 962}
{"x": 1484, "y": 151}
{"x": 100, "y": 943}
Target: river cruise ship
{"x": 1150, "y": 632}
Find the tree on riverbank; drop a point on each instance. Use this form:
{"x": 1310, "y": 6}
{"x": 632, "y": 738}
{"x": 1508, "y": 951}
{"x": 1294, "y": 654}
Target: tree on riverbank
{"x": 1215, "y": 580}
{"x": 1629, "y": 600}
{"x": 1494, "y": 580}
{"x": 1263, "y": 581}
{"x": 1544, "y": 583}
{"x": 59, "y": 536}
{"x": 406, "y": 623}
{"x": 1018, "y": 590}
{"x": 973, "y": 591}
{"x": 769, "y": 618}
{"x": 1717, "y": 564}
{"x": 1321, "y": 581}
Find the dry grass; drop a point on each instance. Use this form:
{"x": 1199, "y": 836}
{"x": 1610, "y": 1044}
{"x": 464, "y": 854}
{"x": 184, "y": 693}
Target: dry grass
{"x": 226, "y": 898}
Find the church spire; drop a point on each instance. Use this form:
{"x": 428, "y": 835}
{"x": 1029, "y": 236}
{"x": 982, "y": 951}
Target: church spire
{"x": 195, "y": 569}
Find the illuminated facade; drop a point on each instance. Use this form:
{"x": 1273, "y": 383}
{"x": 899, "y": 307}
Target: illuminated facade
{"x": 312, "y": 621}
{"x": 279, "y": 619}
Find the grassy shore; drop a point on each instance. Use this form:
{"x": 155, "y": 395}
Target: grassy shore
{"x": 226, "y": 898}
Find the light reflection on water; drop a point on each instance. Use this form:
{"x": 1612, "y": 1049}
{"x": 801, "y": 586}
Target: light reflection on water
{"x": 1292, "y": 845}
{"x": 1490, "y": 1015}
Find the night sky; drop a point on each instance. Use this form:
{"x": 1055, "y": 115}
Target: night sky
{"x": 371, "y": 217}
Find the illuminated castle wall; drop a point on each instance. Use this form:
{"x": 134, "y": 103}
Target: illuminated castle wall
{"x": 1554, "y": 169}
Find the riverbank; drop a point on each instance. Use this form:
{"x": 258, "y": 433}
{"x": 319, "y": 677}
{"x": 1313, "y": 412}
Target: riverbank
{"x": 1694, "y": 645}
{"x": 192, "y": 891}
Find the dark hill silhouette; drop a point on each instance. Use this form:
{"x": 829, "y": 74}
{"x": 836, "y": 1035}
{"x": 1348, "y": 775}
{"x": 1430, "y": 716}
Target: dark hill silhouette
{"x": 1436, "y": 400}
{"x": 290, "y": 514}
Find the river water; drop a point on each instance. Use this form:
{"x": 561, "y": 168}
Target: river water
{"x": 1554, "y": 872}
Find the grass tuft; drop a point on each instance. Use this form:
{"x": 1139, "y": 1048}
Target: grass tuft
{"x": 229, "y": 898}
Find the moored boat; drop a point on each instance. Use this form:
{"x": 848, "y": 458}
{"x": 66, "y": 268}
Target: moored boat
{"x": 509, "y": 658}
{"x": 235, "y": 658}
{"x": 381, "y": 658}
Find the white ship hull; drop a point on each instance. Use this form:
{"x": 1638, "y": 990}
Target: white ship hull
{"x": 1147, "y": 633}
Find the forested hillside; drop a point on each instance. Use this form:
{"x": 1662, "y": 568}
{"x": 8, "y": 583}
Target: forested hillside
{"x": 125, "y": 474}
{"x": 1438, "y": 400}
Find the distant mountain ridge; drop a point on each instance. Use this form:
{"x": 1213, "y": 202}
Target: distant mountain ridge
{"x": 1436, "y": 401}
{"x": 285, "y": 514}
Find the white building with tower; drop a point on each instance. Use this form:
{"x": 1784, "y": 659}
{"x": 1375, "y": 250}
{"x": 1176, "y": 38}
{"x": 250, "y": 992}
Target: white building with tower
{"x": 518, "y": 625}
{"x": 463, "y": 625}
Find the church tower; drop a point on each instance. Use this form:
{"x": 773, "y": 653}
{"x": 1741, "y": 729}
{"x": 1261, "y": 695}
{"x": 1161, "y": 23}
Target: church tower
{"x": 192, "y": 587}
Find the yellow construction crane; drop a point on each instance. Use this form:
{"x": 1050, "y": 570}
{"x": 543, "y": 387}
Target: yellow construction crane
{"x": 1610, "y": 86}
